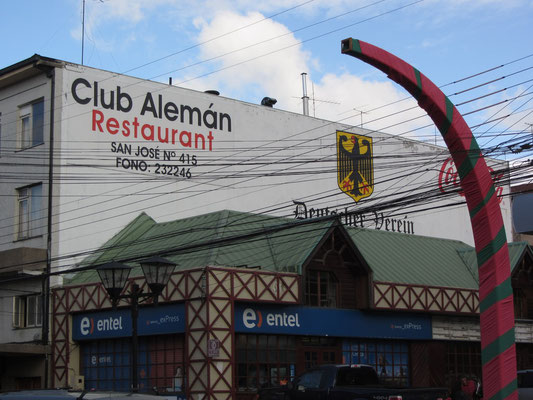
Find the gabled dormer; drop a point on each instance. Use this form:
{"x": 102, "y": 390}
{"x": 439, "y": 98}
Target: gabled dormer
{"x": 335, "y": 275}
{"x": 522, "y": 280}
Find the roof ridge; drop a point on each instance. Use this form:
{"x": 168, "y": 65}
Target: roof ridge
{"x": 127, "y": 231}
{"x": 220, "y": 229}
{"x": 225, "y": 210}
{"x": 409, "y": 235}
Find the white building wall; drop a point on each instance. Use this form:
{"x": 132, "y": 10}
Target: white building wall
{"x": 268, "y": 159}
{"x": 264, "y": 162}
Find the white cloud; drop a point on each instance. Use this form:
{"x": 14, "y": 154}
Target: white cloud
{"x": 510, "y": 110}
{"x": 254, "y": 61}
{"x": 127, "y": 12}
{"x": 252, "y": 75}
{"x": 267, "y": 59}
{"x": 382, "y": 106}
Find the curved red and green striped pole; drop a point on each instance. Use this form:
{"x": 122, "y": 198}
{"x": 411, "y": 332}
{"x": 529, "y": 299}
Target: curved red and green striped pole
{"x": 498, "y": 353}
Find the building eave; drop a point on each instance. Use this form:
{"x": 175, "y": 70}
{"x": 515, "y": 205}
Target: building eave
{"x": 18, "y": 349}
{"x": 26, "y": 69}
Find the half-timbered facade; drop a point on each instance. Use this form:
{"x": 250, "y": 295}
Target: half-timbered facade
{"x": 260, "y": 299}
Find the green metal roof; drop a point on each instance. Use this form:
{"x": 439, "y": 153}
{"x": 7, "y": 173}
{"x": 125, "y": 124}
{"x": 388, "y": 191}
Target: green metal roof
{"x": 412, "y": 259}
{"x": 516, "y": 252}
{"x": 237, "y": 239}
{"x": 271, "y": 243}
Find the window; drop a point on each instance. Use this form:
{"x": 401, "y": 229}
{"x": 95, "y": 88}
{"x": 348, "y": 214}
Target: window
{"x": 523, "y": 303}
{"x": 463, "y": 358}
{"x": 320, "y": 288}
{"x": 309, "y": 380}
{"x": 319, "y": 350}
{"x": 390, "y": 359}
{"x": 29, "y": 211}
{"x": 28, "y": 383}
{"x": 106, "y": 364}
{"x": 31, "y": 126}
{"x": 264, "y": 360}
{"x": 27, "y": 311}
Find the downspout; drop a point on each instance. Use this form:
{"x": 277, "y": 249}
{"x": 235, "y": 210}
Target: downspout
{"x": 46, "y": 281}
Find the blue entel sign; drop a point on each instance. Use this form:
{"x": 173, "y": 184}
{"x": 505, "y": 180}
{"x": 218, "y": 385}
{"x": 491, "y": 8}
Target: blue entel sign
{"x": 152, "y": 320}
{"x": 297, "y": 320}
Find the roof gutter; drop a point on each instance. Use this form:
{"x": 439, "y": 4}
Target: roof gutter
{"x": 27, "y": 68}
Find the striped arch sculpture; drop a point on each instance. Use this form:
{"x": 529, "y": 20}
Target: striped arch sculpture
{"x": 498, "y": 351}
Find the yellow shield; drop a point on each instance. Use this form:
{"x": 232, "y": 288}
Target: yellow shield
{"x": 355, "y": 165}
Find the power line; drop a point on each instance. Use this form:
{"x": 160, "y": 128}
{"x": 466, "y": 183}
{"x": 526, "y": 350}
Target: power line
{"x": 404, "y": 203}
{"x": 241, "y": 173}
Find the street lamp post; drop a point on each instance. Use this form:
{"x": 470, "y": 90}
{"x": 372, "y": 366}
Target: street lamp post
{"x": 114, "y": 276}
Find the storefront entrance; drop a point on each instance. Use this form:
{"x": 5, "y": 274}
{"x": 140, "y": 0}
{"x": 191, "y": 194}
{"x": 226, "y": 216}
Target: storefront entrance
{"x": 318, "y": 351}
{"x": 106, "y": 364}
{"x": 274, "y": 344}
{"x": 104, "y": 338}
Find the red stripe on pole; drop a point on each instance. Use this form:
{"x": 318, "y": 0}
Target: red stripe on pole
{"x": 502, "y": 369}
{"x": 492, "y": 219}
{"x": 489, "y": 278}
{"x": 433, "y": 101}
{"x": 478, "y": 184}
{"x": 496, "y": 322}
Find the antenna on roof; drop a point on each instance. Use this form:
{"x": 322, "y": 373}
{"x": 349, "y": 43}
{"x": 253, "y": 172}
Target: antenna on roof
{"x": 82, "y": 30}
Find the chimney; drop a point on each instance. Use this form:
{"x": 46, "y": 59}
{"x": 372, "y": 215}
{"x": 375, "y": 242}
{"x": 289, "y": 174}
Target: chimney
{"x": 305, "y": 98}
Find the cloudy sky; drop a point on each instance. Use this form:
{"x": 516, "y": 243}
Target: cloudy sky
{"x": 248, "y": 50}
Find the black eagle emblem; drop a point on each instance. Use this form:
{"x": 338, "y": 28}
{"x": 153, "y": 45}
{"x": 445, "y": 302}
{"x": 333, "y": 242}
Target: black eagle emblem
{"x": 355, "y": 172}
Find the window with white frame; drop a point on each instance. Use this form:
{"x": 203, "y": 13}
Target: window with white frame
{"x": 31, "y": 124}
{"x": 27, "y": 311}
{"x": 29, "y": 223}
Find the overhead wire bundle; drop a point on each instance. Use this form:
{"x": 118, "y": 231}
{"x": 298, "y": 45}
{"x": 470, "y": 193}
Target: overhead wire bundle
{"x": 251, "y": 166}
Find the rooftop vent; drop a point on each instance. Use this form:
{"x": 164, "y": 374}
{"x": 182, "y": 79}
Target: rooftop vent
{"x": 268, "y": 101}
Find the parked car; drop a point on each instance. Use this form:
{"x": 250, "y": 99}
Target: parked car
{"x": 61, "y": 394}
{"x": 525, "y": 384}
{"x": 339, "y": 382}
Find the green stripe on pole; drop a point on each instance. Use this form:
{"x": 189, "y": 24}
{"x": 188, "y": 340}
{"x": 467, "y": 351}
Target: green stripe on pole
{"x": 356, "y": 46}
{"x": 497, "y": 347}
{"x": 473, "y": 156}
{"x": 418, "y": 78}
{"x": 445, "y": 126}
{"x": 506, "y": 391}
{"x": 418, "y": 82}
{"x": 486, "y": 253}
{"x": 500, "y": 292}
{"x": 483, "y": 203}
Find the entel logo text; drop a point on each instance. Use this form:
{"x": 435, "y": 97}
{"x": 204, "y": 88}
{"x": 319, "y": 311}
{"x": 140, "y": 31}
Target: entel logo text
{"x": 252, "y": 319}
{"x": 108, "y": 324}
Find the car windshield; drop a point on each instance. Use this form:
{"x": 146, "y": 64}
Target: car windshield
{"x": 56, "y": 394}
{"x": 356, "y": 377}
